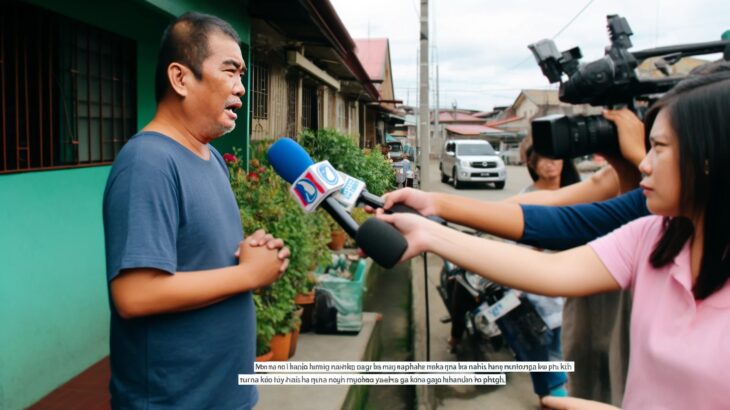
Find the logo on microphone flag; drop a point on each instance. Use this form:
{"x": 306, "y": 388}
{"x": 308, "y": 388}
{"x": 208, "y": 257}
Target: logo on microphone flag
{"x": 350, "y": 191}
{"x": 317, "y": 181}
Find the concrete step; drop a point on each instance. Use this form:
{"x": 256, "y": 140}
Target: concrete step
{"x": 364, "y": 346}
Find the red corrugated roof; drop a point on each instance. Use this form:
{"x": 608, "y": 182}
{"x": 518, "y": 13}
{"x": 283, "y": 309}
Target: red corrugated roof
{"x": 503, "y": 121}
{"x": 450, "y": 116}
{"x": 372, "y": 54}
{"x": 469, "y": 129}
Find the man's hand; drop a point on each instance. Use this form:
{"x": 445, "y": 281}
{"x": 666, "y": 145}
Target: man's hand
{"x": 572, "y": 403}
{"x": 261, "y": 238}
{"x": 264, "y": 255}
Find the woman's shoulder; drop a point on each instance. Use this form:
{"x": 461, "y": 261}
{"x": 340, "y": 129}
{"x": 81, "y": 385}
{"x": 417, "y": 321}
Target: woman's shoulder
{"x": 650, "y": 224}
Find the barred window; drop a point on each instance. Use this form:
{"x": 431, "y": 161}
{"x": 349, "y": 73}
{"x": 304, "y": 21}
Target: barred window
{"x": 309, "y": 99}
{"x": 341, "y": 124}
{"x": 67, "y": 94}
{"x": 259, "y": 88}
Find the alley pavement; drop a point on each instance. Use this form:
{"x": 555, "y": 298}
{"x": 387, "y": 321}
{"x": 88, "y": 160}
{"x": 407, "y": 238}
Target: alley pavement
{"x": 517, "y": 394}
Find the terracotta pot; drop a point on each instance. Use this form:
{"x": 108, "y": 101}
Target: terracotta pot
{"x": 265, "y": 357}
{"x": 295, "y": 334}
{"x": 280, "y": 347}
{"x": 338, "y": 240}
{"x": 306, "y": 301}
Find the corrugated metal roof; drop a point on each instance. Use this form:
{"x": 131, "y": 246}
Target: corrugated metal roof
{"x": 372, "y": 53}
{"x": 503, "y": 121}
{"x": 469, "y": 129}
{"x": 455, "y": 116}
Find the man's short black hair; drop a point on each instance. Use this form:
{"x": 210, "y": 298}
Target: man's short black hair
{"x": 185, "y": 41}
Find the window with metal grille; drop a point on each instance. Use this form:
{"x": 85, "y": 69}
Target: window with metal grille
{"x": 259, "y": 88}
{"x": 291, "y": 106}
{"x": 67, "y": 91}
{"x": 309, "y": 99}
{"x": 341, "y": 125}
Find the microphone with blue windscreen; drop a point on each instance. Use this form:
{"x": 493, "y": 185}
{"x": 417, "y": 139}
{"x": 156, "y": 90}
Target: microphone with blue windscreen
{"x": 314, "y": 184}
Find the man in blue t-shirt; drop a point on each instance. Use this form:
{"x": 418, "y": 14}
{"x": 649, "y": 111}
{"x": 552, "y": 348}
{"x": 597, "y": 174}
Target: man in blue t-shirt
{"x": 180, "y": 273}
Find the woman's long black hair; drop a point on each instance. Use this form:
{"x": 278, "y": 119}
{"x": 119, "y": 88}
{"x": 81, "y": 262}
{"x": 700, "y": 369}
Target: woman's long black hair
{"x": 699, "y": 114}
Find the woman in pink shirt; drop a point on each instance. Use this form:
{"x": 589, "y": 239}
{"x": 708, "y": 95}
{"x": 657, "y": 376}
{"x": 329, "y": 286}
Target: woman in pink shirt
{"x": 676, "y": 262}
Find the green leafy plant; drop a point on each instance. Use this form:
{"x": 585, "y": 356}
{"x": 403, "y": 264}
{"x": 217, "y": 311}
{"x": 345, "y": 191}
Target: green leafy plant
{"x": 340, "y": 150}
{"x": 265, "y": 203}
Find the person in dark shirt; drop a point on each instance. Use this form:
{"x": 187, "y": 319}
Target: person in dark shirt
{"x": 595, "y": 328}
{"x": 180, "y": 273}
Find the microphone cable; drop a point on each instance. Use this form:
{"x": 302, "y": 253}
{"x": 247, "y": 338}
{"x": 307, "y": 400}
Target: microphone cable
{"x": 428, "y": 311}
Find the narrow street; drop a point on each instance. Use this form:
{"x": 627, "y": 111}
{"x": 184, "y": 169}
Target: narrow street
{"x": 517, "y": 394}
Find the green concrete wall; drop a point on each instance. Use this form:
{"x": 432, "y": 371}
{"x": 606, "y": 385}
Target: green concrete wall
{"x": 53, "y": 303}
{"x": 53, "y": 298}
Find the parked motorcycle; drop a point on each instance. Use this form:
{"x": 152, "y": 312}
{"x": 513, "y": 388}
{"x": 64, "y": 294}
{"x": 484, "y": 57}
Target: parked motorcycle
{"x": 481, "y": 309}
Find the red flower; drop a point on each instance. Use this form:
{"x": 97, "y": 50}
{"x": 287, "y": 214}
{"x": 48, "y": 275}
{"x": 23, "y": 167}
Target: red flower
{"x": 253, "y": 176}
{"x": 230, "y": 158}
{"x": 262, "y": 170}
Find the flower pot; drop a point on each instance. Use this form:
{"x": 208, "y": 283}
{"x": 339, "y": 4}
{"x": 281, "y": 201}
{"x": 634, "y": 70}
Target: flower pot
{"x": 306, "y": 301}
{"x": 338, "y": 240}
{"x": 280, "y": 347}
{"x": 302, "y": 299}
{"x": 295, "y": 334}
{"x": 265, "y": 357}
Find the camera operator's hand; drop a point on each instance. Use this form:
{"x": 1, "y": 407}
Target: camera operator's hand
{"x": 630, "y": 134}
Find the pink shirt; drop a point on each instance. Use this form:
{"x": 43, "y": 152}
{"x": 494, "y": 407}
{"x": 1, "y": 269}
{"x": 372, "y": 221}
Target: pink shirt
{"x": 680, "y": 347}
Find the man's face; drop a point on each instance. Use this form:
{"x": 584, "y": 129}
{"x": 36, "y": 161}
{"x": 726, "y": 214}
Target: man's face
{"x": 217, "y": 95}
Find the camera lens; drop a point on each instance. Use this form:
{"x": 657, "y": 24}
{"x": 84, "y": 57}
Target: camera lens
{"x": 561, "y": 136}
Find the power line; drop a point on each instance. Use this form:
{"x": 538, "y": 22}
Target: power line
{"x": 573, "y": 19}
{"x": 553, "y": 37}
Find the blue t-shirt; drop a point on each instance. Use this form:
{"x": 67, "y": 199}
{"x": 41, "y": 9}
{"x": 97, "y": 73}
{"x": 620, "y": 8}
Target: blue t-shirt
{"x": 168, "y": 209}
{"x": 570, "y": 226}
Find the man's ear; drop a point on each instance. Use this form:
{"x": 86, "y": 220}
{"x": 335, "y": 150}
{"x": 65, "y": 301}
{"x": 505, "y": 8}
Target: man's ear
{"x": 179, "y": 77}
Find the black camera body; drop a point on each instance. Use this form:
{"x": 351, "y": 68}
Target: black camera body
{"x": 609, "y": 81}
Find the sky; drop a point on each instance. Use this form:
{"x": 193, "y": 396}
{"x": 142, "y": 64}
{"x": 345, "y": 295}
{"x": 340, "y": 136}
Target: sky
{"x": 481, "y": 46}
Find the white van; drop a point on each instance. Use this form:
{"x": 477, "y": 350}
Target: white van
{"x": 471, "y": 161}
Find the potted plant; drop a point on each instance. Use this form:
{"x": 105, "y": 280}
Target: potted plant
{"x": 341, "y": 151}
{"x": 265, "y": 203}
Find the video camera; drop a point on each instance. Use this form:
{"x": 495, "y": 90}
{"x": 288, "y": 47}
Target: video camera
{"x": 609, "y": 81}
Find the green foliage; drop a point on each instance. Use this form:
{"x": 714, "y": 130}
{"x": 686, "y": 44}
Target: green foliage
{"x": 367, "y": 165}
{"x": 265, "y": 203}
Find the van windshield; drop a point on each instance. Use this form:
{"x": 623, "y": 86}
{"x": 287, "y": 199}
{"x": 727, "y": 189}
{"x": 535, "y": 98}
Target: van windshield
{"x": 474, "y": 149}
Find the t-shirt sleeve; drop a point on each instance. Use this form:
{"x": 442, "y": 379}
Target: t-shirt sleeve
{"x": 141, "y": 217}
{"x": 566, "y": 227}
{"x": 621, "y": 250}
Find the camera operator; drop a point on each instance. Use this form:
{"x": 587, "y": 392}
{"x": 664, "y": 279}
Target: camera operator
{"x": 595, "y": 328}
{"x": 675, "y": 263}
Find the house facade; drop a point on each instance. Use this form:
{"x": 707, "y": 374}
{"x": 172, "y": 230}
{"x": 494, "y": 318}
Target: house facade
{"x": 306, "y": 73}
{"x": 76, "y": 82}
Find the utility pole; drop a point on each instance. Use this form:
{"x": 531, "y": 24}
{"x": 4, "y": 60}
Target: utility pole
{"x": 424, "y": 132}
{"x": 437, "y": 132}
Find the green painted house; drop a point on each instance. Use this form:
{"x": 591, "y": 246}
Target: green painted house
{"x": 76, "y": 81}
